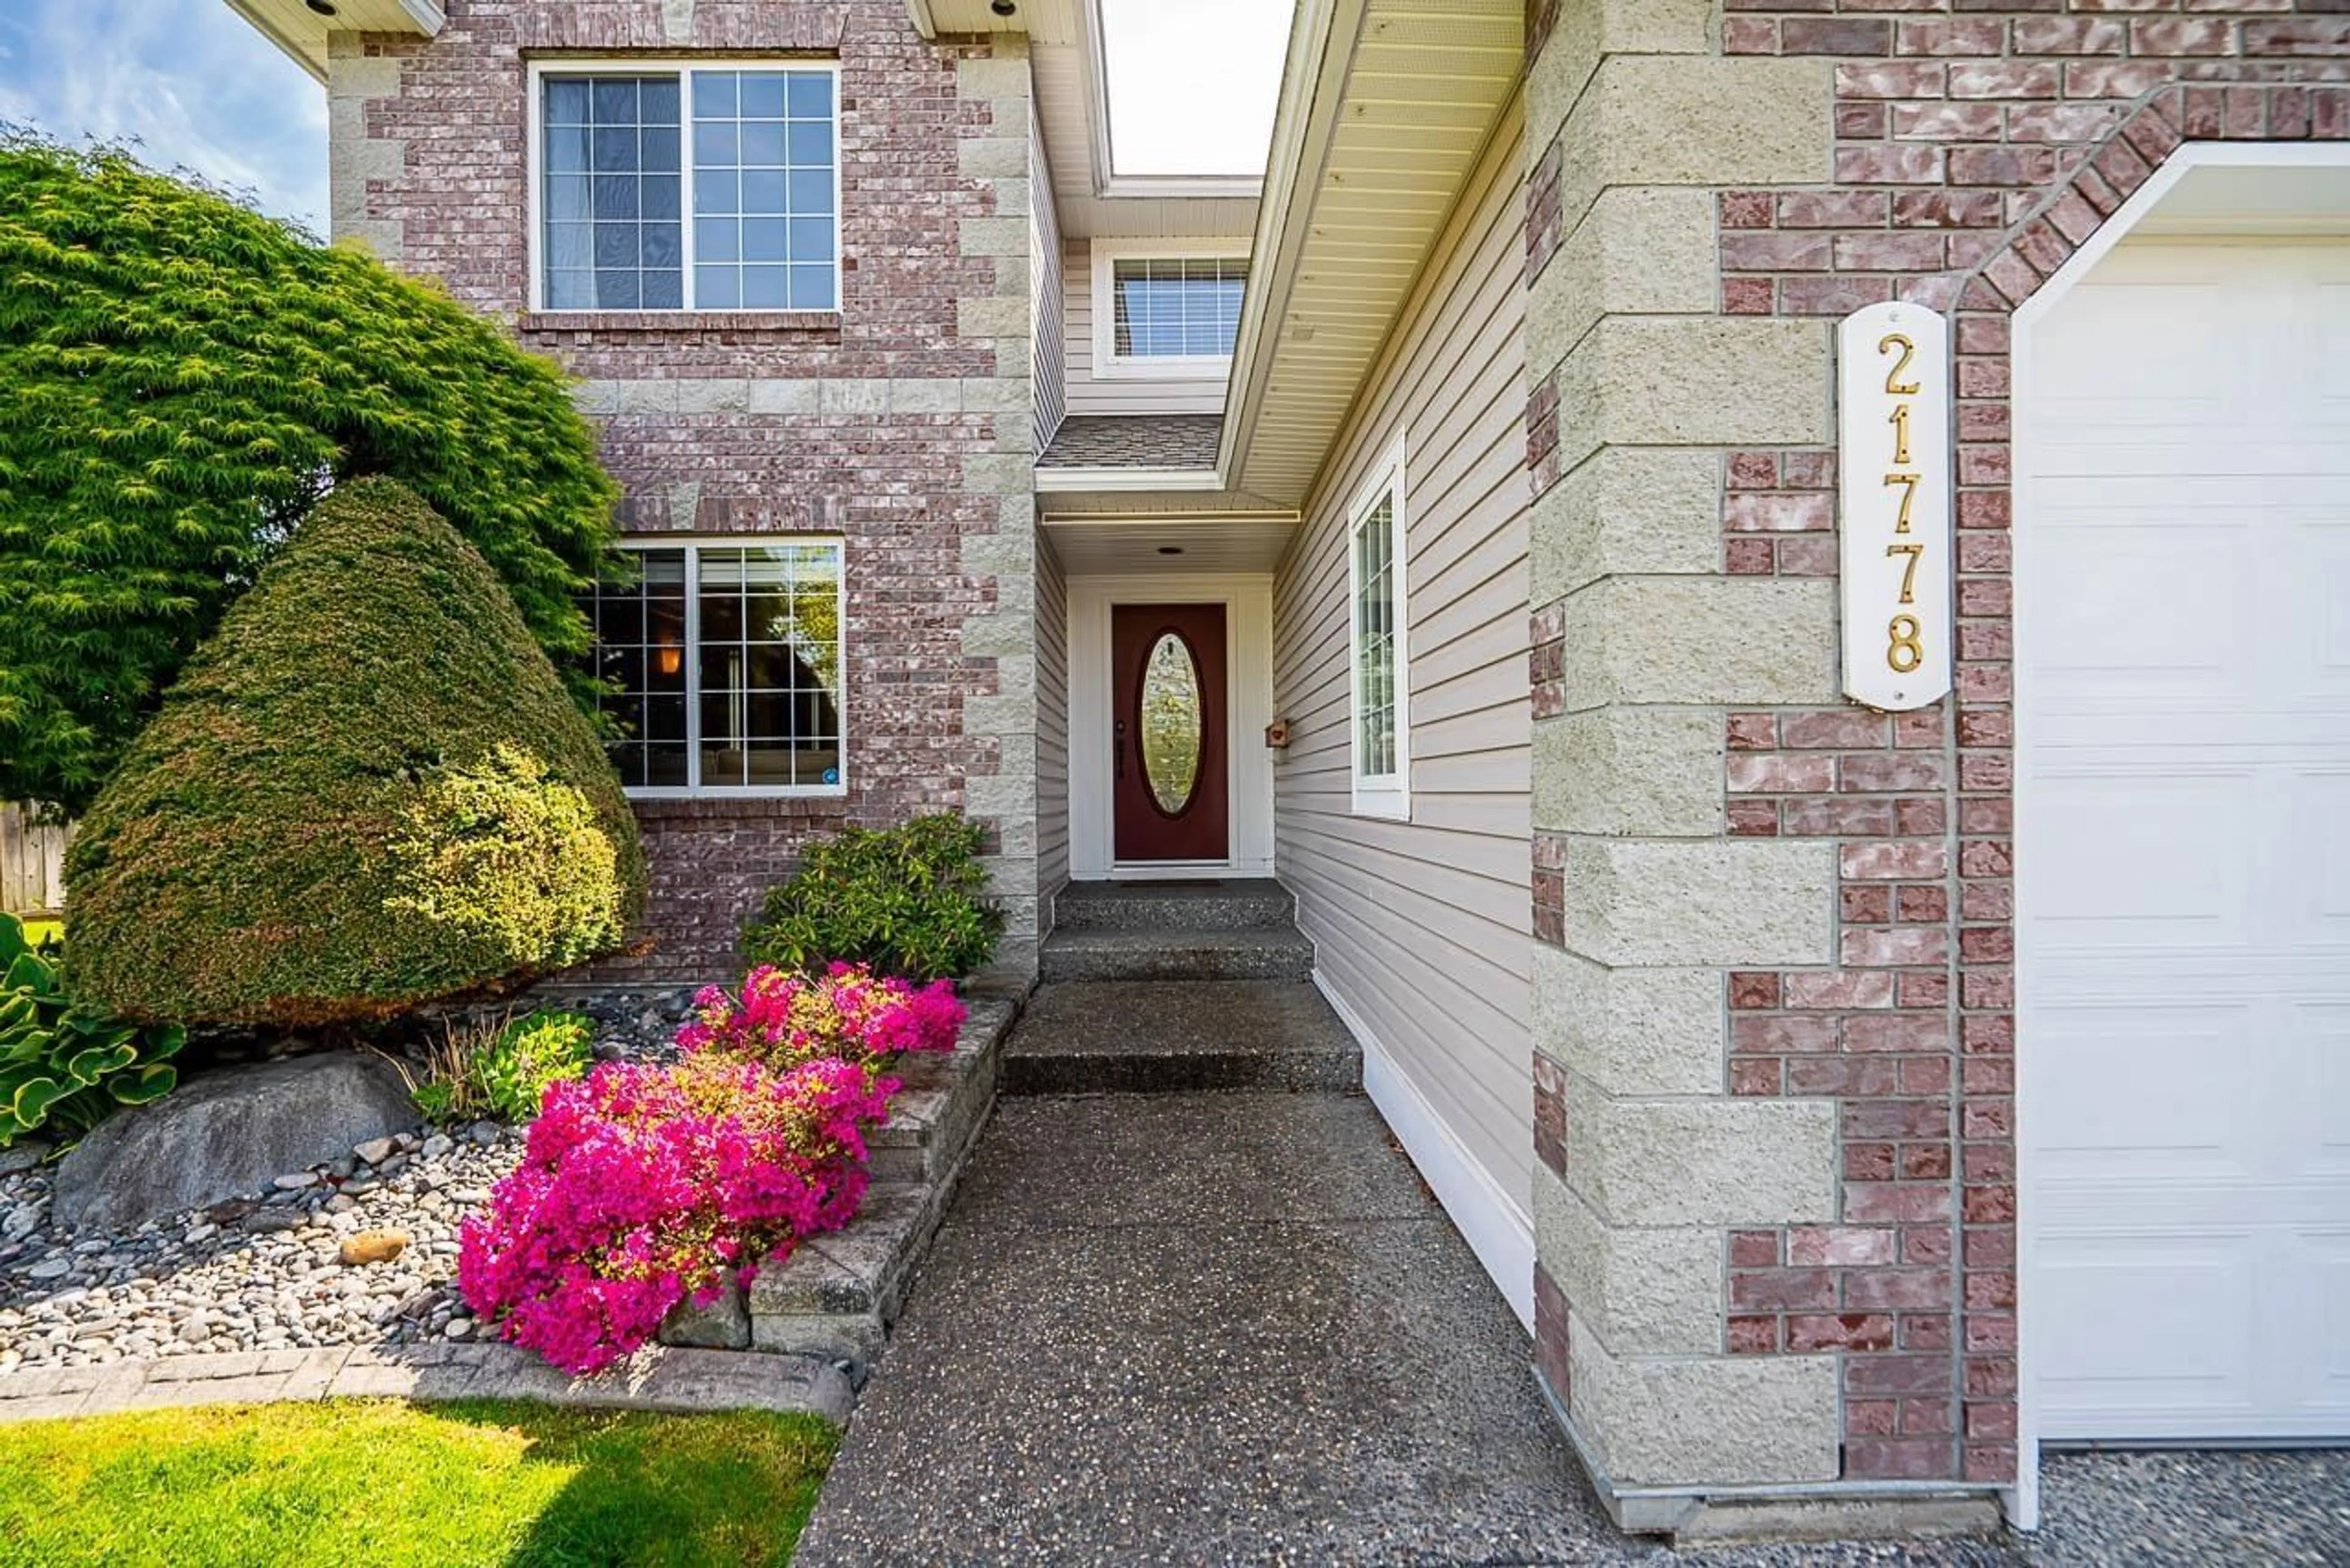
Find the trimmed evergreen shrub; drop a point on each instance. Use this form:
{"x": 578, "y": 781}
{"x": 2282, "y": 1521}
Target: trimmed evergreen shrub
{"x": 184, "y": 378}
{"x": 368, "y": 790}
{"x": 908, "y": 901}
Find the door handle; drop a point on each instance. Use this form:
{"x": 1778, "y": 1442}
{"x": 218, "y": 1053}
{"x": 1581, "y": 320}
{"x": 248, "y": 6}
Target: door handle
{"x": 1118, "y": 751}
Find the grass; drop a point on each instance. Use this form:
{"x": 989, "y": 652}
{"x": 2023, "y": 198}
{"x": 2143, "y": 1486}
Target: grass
{"x": 38, "y": 931}
{"x": 388, "y": 1484}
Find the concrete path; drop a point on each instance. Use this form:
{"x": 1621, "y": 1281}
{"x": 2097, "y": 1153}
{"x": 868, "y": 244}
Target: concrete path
{"x": 1201, "y": 1328}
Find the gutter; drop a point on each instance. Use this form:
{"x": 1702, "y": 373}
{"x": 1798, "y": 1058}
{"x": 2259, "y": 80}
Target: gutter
{"x": 1125, "y": 481}
{"x": 1312, "y": 90}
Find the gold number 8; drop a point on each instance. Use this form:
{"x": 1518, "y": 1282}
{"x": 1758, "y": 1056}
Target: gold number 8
{"x": 1906, "y": 652}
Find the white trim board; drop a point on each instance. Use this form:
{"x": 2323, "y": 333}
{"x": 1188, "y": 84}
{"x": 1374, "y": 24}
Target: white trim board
{"x": 1501, "y": 1233}
{"x": 2023, "y": 1501}
{"x": 1247, "y": 599}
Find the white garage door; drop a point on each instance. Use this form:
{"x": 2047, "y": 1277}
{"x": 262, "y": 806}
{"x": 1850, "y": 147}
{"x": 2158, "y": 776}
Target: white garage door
{"x": 2183, "y": 854}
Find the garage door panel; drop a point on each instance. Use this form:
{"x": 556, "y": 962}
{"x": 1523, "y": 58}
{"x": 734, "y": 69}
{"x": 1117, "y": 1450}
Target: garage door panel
{"x": 2183, "y": 845}
{"x": 2169, "y": 1364}
{"x": 2195, "y": 1128}
{"x": 2140, "y": 862}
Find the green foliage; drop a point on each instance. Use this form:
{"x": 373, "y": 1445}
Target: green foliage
{"x": 908, "y": 900}
{"x": 476, "y": 1484}
{"x": 500, "y": 1070}
{"x": 64, "y": 1066}
{"x": 184, "y": 377}
{"x": 368, "y": 790}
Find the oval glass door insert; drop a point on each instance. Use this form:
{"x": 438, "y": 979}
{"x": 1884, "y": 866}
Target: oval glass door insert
{"x": 1171, "y": 723}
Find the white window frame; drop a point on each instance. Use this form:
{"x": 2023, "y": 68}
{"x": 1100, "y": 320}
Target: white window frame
{"x": 1385, "y": 796}
{"x": 693, "y": 545}
{"x": 684, "y": 65}
{"x": 1108, "y": 363}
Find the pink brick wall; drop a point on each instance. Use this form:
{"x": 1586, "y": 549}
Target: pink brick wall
{"x": 1976, "y": 152}
{"x": 892, "y": 485}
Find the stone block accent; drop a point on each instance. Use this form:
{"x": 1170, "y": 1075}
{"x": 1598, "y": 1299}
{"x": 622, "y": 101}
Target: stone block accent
{"x": 1694, "y": 1422}
{"x": 1639, "y": 1292}
{"x": 1695, "y": 119}
{"x": 1698, "y": 902}
{"x": 1673, "y": 381}
{"x": 1629, "y": 1030}
{"x": 1698, "y": 640}
{"x": 1630, "y": 770}
{"x": 1640, "y": 251}
{"x": 1627, "y": 511}
{"x": 1701, "y": 1162}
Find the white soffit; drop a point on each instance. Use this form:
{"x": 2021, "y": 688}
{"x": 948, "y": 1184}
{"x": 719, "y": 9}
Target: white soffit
{"x": 1092, "y": 547}
{"x": 1387, "y": 106}
{"x": 301, "y": 32}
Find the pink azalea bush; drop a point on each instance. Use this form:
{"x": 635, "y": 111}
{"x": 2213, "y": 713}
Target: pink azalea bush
{"x": 643, "y": 1186}
{"x": 782, "y": 1020}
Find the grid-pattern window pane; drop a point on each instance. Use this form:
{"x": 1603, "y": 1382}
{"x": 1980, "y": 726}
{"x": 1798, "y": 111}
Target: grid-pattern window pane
{"x": 613, "y": 197}
{"x": 1176, "y": 308}
{"x": 764, "y": 231}
{"x": 725, "y": 666}
{"x": 641, "y": 653}
{"x": 1375, "y": 642}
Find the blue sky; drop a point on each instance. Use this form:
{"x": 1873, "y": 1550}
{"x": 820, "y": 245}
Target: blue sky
{"x": 194, "y": 86}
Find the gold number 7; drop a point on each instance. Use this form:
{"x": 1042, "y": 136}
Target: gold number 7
{"x": 1908, "y": 484}
{"x": 1909, "y": 572}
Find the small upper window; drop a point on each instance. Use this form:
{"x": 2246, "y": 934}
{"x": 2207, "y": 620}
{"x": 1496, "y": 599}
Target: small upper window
{"x": 1379, "y": 685}
{"x": 1164, "y": 312}
{"x": 689, "y": 189}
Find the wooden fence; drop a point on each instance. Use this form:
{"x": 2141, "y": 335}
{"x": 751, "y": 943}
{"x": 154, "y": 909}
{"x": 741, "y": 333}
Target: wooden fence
{"x": 32, "y": 863}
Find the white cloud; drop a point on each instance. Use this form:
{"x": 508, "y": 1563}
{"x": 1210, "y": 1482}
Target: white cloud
{"x": 190, "y": 82}
{"x": 1193, "y": 84}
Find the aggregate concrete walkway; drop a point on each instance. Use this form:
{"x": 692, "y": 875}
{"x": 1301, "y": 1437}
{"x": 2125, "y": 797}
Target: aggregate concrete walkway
{"x": 1199, "y": 1328}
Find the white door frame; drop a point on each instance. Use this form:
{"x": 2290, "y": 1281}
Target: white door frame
{"x": 2026, "y": 577}
{"x": 1247, "y": 599}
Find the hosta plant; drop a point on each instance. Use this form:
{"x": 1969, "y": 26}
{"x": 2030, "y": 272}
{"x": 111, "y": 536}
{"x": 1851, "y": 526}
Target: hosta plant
{"x": 64, "y": 1066}
{"x": 781, "y": 1019}
{"x": 643, "y": 1186}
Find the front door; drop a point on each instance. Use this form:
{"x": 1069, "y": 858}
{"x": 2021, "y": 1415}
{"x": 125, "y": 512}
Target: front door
{"x": 1169, "y": 770}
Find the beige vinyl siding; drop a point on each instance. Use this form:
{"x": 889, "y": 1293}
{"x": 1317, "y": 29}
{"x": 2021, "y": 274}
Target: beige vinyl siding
{"x": 1047, "y": 355}
{"x": 1424, "y": 928}
{"x": 1051, "y": 729}
{"x": 1116, "y": 395}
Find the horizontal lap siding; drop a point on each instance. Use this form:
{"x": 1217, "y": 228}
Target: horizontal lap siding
{"x": 1052, "y": 728}
{"x": 1129, "y": 395}
{"x": 1046, "y": 358}
{"x": 1424, "y": 928}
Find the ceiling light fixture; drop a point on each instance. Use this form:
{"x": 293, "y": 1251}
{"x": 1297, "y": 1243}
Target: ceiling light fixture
{"x": 323, "y": 7}
{"x": 1005, "y": 8}
{"x": 1171, "y": 549}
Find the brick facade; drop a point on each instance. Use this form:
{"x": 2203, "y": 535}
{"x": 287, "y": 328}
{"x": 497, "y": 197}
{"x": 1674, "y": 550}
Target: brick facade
{"x": 1976, "y": 147}
{"x": 902, "y": 424}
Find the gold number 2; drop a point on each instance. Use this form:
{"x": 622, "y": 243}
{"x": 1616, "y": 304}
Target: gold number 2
{"x": 1894, "y": 384}
{"x": 1906, "y": 652}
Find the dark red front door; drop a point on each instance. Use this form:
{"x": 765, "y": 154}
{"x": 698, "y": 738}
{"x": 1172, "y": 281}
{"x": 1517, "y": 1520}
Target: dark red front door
{"x": 1170, "y": 772}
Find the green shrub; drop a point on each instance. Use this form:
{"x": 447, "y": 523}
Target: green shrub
{"x": 909, "y": 901}
{"x": 184, "y": 377}
{"x": 500, "y": 1070}
{"x": 367, "y": 791}
{"x": 65, "y": 1067}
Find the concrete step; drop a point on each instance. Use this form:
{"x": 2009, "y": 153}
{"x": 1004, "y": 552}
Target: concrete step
{"x": 837, "y": 1296}
{"x": 1233, "y": 903}
{"x": 1256, "y": 953}
{"x": 1173, "y": 1036}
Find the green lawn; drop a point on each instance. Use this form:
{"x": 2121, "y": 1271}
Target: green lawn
{"x": 384, "y": 1484}
{"x": 37, "y": 932}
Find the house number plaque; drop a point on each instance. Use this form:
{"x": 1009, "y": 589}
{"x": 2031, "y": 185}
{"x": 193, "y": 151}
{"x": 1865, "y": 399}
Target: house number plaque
{"x": 1894, "y": 457}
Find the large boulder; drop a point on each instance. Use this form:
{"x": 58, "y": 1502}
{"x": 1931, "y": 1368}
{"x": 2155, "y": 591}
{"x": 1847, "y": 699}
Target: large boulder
{"x": 228, "y": 1134}
{"x": 369, "y": 790}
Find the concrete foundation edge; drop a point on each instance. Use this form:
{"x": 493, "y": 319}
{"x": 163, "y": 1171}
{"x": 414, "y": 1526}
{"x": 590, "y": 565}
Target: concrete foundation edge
{"x": 1830, "y": 1511}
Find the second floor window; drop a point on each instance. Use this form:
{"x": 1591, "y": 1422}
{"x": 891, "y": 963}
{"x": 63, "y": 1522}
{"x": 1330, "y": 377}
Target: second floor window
{"x": 1164, "y": 310}
{"x": 689, "y": 189}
